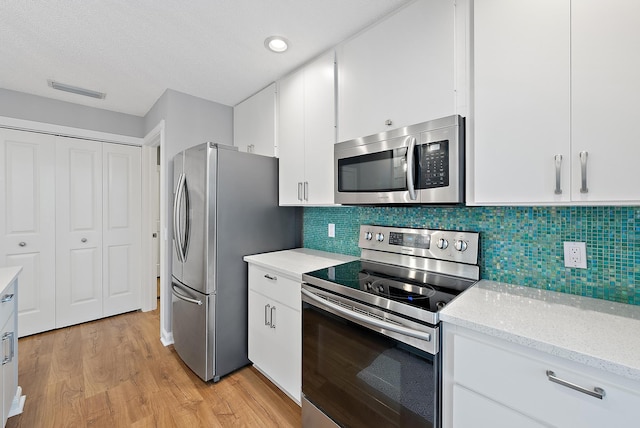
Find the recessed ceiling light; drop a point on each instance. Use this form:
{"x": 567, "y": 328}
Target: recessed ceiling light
{"x": 76, "y": 90}
{"x": 277, "y": 44}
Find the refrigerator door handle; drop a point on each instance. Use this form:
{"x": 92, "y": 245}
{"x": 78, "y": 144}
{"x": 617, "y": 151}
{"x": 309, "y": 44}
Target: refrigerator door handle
{"x": 187, "y": 219}
{"x": 183, "y": 297}
{"x": 181, "y": 237}
{"x": 176, "y": 219}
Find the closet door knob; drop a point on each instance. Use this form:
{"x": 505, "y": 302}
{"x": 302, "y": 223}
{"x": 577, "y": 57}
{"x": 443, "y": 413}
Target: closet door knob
{"x": 83, "y": 240}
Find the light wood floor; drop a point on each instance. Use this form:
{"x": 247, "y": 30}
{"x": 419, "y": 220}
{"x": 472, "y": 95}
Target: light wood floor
{"x": 116, "y": 373}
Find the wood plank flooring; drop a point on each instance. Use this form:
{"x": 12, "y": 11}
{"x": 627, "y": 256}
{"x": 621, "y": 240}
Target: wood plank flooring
{"x": 115, "y": 373}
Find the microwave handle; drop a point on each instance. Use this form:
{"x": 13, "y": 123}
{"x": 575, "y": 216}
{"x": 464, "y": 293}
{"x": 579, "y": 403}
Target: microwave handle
{"x": 410, "y": 150}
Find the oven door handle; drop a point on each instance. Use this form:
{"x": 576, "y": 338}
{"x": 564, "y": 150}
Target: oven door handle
{"x": 355, "y": 316}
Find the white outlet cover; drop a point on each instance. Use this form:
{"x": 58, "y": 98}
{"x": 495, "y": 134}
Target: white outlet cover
{"x": 575, "y": 255}
{"x": 332, "y": 230}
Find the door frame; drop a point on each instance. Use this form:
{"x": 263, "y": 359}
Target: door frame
{"x": 153, "y": 140}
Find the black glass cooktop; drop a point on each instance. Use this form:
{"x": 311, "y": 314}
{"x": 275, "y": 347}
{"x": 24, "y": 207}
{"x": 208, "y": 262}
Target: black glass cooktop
{"x": 425, "y": 290}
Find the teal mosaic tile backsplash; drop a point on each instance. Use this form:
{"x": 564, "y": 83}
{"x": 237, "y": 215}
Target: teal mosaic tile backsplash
{"x": 518, "y": 245}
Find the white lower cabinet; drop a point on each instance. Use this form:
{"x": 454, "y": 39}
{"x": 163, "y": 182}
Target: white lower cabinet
{"x": 275, "y": 328}
{"x": 492, "y": 382}
{"x": 12, "y": 398}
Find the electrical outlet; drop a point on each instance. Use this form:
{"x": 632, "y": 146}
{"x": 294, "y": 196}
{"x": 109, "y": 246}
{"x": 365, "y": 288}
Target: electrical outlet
{"x": 575, "y": 255}
{"x": 332, "y": 230}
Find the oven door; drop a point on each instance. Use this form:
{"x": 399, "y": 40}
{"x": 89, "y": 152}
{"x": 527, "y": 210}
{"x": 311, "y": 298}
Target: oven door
{"x": 360, "y": 374}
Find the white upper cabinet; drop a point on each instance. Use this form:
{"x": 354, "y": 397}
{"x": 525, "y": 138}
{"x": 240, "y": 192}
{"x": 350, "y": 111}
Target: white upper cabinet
{"x": 554, "y": 89}
{"x": 522, "y": 100}
{"x": 306, "y": 133}
{"x": 401, "y": 71}
{"x": 605, "y": 88}
{"x": 254, "y": 123}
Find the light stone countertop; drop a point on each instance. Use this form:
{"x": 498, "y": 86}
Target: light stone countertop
{"x": 594, "y": 332}
{"x": 8, "y": 274}
{"x": 298, "y": 261}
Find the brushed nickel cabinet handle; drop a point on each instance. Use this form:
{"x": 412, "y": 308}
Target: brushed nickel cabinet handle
{"x": 266, "y": 312}
{"x": 273, "y": 317}
{"x": 596, "y": 393}
{"x": 23, "y": 244}
{"x": 271, "y": 277}
{"x": 558, "y": 162}
{"x": 583, "y": 170}
{"x": 6, "y": 298}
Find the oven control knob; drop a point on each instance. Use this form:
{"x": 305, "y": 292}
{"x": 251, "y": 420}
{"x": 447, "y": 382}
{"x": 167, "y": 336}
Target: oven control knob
{"x": 460, "y": 245}
{"x": 442, "y": 244}
{"x": 379, "y": 237}
{"x": 368, "y": 236}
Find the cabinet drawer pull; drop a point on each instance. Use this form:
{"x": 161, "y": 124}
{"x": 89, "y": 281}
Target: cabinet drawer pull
{"x": 597, "y": 392}
{"x": 6, "y": 298}
{"x": 558, "y": 161}
{"x": 23, "y": 244}
{"x": 271, "y": 277}
{"x": 6, "y": 359}
{"x": 583, "y": 169}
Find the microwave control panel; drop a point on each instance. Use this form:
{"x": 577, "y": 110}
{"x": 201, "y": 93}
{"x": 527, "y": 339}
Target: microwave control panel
{"x": 433, "y": 161}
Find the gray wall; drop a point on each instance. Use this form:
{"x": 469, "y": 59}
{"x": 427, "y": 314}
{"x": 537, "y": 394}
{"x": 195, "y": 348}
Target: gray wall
{"x": 20, "y": 105}
{"x": 189, "y": 121}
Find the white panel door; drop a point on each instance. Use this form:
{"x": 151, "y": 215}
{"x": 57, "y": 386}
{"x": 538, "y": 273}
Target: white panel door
{"x": 27, "y": 223}
{"x": 121, "y": 234}
{"x": 605, "y": 66}
{"x": 78, "y": 231}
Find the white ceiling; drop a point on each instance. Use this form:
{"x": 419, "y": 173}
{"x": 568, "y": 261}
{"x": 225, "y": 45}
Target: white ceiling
{"x": 134, "y": 50}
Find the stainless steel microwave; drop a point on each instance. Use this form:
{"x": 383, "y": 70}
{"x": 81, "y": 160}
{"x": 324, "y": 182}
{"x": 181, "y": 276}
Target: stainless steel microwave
{"x": 417, "y": 164}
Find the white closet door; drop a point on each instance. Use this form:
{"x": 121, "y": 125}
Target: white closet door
{"x": 27, "y": 223}
{"x": 121, "y": 184}
{"x": 78, "y": 231}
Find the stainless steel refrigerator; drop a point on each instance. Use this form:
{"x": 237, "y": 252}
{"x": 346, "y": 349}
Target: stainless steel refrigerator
{"x": 225, "y": 207}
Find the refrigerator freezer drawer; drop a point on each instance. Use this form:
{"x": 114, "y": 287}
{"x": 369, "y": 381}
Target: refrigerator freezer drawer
{"x": 193, "y": 329}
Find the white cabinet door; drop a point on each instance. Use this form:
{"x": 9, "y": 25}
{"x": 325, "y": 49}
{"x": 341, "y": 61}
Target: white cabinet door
{"x": 27, "y": 223}
{"x": 291, "y": 147}
{"x": 401, "y": 69}
{"x": 319, "y": 129}
{"x": 254, "y": 123}
{"x": 522, "y": 110}
{"x": 287, "y": 348}
{"x": 605, "y": 63}
{"x": 260, "y": 335}
{"x": 121, "y": 228}
{"x": 9, "y": 368}
{"x": 78, "y": 231}
{"x": 306, "y": 133}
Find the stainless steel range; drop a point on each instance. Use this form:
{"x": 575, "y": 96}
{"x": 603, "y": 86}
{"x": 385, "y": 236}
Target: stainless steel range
{"x": 370, "y": 335}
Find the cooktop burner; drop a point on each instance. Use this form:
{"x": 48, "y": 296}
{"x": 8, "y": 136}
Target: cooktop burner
{"x": 360, "y": 275}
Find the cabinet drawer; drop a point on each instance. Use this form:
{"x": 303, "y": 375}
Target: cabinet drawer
{"x": 275, "y": 286}
{"x": 7, "y": 303}
{"x": 520, "y": 382}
